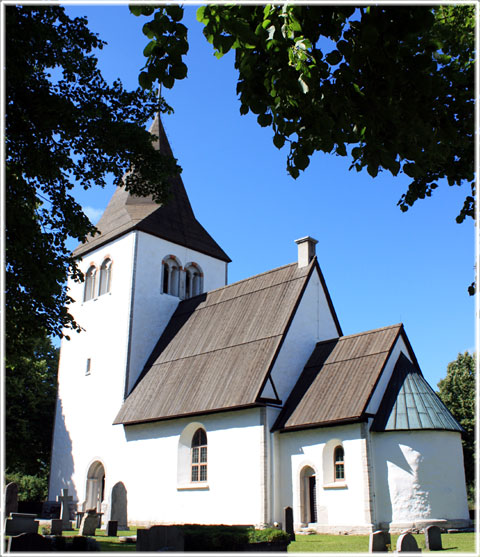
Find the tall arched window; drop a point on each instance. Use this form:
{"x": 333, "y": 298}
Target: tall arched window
{"x": 339, "y": 463}
{"x": 171, "y": 275}
{"x": 199, "y": 456}
{"x": 193, "y": 280}
{"x": 90, "y": 283}
{"x": 105, "y": 277}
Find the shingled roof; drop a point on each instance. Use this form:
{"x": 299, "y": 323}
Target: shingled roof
{"x": 217, "y": 351}
{"x": 174, "y": 221}
{"x": 338, "y": 380}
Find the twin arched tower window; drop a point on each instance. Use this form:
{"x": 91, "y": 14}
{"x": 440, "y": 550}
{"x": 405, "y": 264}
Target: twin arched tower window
{"x": 182, "y": 282}
{"x": 96, "y": 286}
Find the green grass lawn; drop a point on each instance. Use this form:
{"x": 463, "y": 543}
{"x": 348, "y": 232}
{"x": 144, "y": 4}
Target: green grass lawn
{"x": 457, "y": 543}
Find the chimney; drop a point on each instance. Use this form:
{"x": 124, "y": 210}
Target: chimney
{"x": 306, "y": 250}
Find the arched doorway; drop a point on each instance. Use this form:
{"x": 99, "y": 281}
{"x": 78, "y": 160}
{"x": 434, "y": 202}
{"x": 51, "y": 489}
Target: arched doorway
{"x": 308, "y": 494}
{"x": 95, "y": 490}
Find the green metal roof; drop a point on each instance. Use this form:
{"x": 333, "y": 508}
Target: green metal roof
{"x": 410, "y": 403}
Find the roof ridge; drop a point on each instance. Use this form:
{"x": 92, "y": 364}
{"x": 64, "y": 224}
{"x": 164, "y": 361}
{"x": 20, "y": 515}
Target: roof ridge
{"x": 180, "y": 312}
{"x": 361, "y": 333}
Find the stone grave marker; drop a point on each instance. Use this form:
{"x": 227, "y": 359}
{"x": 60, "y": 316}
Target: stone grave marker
{"x": 28, "y": 542}
{"x": 112, "y": 527}
{"x": 288, "y": 522}
{"x": 379, "y": 541}
{"x": 119, "y": 505}
{"x": 56, "y": 527}
{"x": 65, "y": 499}
{"x": 160, "y": 538}
{"x": 433, "y": 538}
{"x": 89, "y": 523}
{"x": 11, "y": 498}
{"x": 21, "y": 523}
{"x": 406, "y": 542}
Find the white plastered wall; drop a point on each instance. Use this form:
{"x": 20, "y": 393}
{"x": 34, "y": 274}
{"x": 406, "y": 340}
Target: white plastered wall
{"x": 149, "y": 461}
{"x": 135, "y": 308}
{"x": 152, "y": 308}
{"x": 341, "y": 506}
{"x": 87, "y": 404}
{"x": 312, "y": 323}
{"x": 419, "y": 478}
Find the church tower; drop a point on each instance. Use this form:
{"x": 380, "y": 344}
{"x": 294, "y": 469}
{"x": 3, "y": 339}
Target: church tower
{"x": 146, "y": 258}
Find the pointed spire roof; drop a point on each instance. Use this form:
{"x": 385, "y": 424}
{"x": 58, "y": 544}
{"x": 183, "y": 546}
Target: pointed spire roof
{"x": 174, "y": 221}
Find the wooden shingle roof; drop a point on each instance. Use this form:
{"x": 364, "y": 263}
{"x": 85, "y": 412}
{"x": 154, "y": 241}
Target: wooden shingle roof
{"x": 338, "y": 380}
{"x": 218, "y": 348}
{"x": 174, "y": 221}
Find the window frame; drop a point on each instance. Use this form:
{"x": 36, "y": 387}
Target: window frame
{"x": 89, "y": 292}
{"x": 199, "y": 457}
{"x": 105, "y": 275}
{"x": 339, "y": 464}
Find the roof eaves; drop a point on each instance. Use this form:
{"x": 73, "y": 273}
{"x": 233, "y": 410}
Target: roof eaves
{"x": 190, "y": 414}
{"x": 329, "y": 299}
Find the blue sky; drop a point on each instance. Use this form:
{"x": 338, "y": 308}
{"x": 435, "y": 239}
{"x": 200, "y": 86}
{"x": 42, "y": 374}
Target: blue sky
{"x": 381, "y": 266}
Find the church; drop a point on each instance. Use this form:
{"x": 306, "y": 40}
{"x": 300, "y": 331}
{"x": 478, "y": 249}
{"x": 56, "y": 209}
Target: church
{"x": 189, "y": 400}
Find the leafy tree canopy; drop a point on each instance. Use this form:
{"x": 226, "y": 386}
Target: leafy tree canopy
{"x": 30, "y": 393}
{"x": 457, "y": 390}
{"x": 390, "y": 87}
{"x": 64, "y": 126}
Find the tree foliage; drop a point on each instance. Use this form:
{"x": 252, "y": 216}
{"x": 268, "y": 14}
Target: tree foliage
{"x": 64, "y": 126}
{"x": 458, "y": 392}
{"x": 30, "y": 395}
{"x": 390, "y": 87}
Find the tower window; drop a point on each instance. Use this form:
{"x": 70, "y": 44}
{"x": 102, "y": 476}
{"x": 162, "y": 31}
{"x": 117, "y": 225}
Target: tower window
{"x": 193, "y": 280}
{"x": 88, "y": 366}
{"x": 171, "y": 276}
{"x": 90, "y": 281}
{"x": 105, "y": 277}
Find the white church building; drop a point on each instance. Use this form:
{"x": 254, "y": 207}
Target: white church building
{"x": 190, "y": 400}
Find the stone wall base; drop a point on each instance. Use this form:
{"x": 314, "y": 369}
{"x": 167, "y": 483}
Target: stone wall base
{"x": 420, "y": 525}
{"x": 341, "y": 529}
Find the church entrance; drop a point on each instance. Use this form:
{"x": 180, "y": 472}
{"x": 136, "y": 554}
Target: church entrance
{"x": 308, "y": 495}
{"x": 95, "y": 491}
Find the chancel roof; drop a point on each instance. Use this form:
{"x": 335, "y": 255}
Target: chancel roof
{"x": 174, "y": 221}
{"x": 217, "y": 351}
{"x": 338, "y": 380}
{"x": 410, "y": 403}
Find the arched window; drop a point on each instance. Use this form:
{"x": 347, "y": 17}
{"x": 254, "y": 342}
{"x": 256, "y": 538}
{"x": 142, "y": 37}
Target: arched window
{"x": 90, "y": 283}
{"x": 171, "y": 275}
{"x": 105, "y": 277}
{"x": 339, "y": 463}
{"x": 199, "y": 456}
{"x": 193, "y": 280}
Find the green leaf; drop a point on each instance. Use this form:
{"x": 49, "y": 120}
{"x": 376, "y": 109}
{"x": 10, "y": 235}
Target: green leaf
{"x": 334, "y": 57}
{"x": 145, "y": 80}
{"x": 179, "y": 71}
{"x": 168, "y": 81}
{"x": 278, "y": 141}
{"x": 264, "y": 120}
{"x": 201, "y": 14}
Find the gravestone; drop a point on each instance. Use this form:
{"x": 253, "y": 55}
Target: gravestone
{"x": 119, "y": 506}
{"x": 65, "y": 499}
{"x": 433, "y": 538}
{"x": 56, "y": 527}
{"x": 21, "y": 523}
{"x": 379, "y": 541}
{"x": 160, "y": 538}
{"x": 28, "y": 542}
{"x": 288, "y": 522}
{"x": 112, "y": 528}
{"x": 406, "y": 542}
{"x": 89, "y": 523}
{"x": 11, "y": 498}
